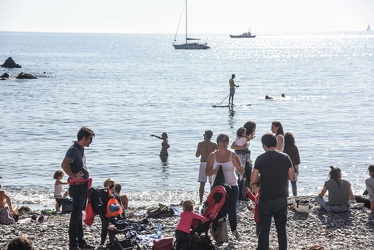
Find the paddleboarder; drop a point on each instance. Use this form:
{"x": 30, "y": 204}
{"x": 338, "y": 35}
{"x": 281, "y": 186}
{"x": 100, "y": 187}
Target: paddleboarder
{"x": 232, "y": 89}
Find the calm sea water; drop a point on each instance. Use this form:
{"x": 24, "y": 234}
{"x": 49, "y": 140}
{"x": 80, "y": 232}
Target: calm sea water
{"x": 126, "y": 87}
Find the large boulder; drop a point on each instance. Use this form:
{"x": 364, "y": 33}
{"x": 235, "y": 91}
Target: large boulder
{"x": 9, "y": 63}
{"x": 25, "y": 76}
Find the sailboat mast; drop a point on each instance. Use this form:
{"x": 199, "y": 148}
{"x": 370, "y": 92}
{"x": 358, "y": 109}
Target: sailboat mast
{"x": 186, "y": 21}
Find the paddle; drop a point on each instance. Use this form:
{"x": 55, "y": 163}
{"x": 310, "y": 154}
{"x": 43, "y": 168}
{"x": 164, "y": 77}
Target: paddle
{"x": 224, "y": 99}
{"x": 227, "y": 96}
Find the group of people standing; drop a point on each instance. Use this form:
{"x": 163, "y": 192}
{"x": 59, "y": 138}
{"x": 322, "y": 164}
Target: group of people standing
{"x": 273, "y": 169}
{"x": 269, "y": 178}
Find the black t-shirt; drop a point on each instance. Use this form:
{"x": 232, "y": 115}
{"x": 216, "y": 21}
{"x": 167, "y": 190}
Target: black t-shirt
{"x": 76, "y": 154}
{"x": 273, "y": 167}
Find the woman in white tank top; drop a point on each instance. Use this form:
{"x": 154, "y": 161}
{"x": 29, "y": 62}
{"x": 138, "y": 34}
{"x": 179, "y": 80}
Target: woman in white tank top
{"x": 277, "y": 130}
{"x": 229, "y": 162}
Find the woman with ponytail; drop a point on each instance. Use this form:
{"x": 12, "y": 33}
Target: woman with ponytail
{"x": 340, "y": 193}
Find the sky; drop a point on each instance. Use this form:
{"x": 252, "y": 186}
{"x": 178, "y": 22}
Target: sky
{"x": 204, "y": 16}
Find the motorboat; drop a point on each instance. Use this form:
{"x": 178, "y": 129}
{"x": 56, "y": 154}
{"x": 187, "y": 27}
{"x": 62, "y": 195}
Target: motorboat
{"x": 244, "y": 35}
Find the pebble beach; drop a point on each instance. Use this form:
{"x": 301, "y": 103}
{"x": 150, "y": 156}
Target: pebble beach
{"x": 316, "y": 229}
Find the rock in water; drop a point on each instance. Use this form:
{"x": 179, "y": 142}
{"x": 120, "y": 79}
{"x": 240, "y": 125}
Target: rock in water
{"x": 25, "y": 76}
{"x": 9, "y": 63}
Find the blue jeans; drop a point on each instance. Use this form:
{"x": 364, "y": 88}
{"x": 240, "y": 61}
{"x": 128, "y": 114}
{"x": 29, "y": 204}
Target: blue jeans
{"x": 272, "y": 208}
{"x": 78, "y": 193}
{"x": 231, "y": 201}
{"x": 329, "y": 208}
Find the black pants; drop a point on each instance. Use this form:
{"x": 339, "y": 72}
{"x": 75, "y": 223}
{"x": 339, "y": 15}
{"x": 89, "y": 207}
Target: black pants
{"x": 181, "y": 240}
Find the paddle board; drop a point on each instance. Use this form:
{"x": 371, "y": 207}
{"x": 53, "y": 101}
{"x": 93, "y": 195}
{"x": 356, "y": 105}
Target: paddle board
{"x": 230, "y": 106}
{"x": 222, "y": 106}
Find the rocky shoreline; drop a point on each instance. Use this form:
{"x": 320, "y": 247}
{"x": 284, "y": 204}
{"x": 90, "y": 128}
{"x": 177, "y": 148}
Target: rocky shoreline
{"x": 316, "y": 229}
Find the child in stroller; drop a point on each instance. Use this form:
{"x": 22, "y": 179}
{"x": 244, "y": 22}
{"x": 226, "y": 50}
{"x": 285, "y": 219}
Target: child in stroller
{"x": 107, "y": 204}
{"x": 214, "y": 211}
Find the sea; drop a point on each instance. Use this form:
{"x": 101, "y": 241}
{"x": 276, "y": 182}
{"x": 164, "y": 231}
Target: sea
{"x": 129, "y": 86}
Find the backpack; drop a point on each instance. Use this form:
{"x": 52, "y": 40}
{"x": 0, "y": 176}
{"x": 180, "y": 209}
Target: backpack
{"x": 66, "y": 205}
{"x": 166, "y": 243}
{"x": 113, "y": 208}
{"x": 160, "y": 210}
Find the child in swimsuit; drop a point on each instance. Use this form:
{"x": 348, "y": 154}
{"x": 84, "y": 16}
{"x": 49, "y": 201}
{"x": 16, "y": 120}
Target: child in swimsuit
{"x": 58, "y": 188}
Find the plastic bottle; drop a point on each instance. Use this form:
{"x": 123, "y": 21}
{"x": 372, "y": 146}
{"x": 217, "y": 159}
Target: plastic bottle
{"x": 159, "y": 231}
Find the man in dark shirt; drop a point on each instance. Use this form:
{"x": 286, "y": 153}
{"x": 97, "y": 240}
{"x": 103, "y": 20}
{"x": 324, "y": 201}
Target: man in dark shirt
{"x": 74, "y": 165}
{"x": 275, "y": 169}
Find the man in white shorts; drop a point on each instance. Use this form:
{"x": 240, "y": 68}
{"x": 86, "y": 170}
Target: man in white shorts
{"x": 204, "y": 148}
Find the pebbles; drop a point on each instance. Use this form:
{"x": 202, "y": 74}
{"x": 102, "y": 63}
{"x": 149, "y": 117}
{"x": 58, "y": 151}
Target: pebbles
{"x": 316, "y": 229}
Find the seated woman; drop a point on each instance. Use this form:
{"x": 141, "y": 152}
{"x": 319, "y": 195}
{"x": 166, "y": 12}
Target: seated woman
{"x": 370, "y": 187}
{"x": 340, "y": 193}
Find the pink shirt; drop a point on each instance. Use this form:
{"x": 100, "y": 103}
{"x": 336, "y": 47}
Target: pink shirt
{"x": 186, "y": 221}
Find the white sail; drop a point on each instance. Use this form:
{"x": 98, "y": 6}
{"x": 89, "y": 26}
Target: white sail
{"x": 187, "y": 45}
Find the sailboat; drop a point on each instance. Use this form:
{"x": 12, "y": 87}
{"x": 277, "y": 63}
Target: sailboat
{"x": 368, "y": 28}
{"x": 191, "y": 45}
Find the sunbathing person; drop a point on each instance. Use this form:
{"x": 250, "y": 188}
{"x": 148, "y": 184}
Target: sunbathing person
{"x": 7, "y": 213}
{"x": 124, "y": 199}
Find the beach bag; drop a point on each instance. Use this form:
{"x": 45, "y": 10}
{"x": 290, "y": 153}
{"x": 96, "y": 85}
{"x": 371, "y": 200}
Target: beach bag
{"x": 66, "y": 205}
{"x": 160, "y": 210}
{"x": 166, "y": 243}
{"x": 219, "y": 231}
{"x": 113, "y": 208}
{"x": 302, "y": 206}
{"x": 201, "y": 242}
{"x": 89, "y": 215}
{"x": 220, "y": 177}
{"x": 126, "y": 244}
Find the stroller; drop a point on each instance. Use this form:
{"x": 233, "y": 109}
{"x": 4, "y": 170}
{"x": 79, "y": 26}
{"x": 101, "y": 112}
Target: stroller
{"x": 214, "y": 210}
{"x": 101, "y": 200}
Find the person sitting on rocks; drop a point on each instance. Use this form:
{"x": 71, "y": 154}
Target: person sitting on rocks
{"x": 369, "y": 187}
{"x": 340, "y": 193}
{"x": 7, "y": 213}
{"x": 124, "y": 199}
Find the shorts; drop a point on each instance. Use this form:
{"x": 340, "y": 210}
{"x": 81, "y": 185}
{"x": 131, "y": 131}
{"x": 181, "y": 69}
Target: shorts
{"x": 5, "y": 217}
{"x": 58, "y": 201}
{"x": 232, "y": 91}
{"x": 202, "y": 174}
